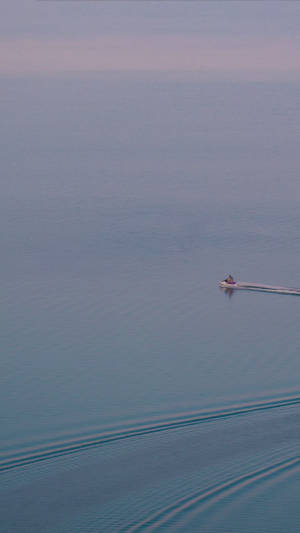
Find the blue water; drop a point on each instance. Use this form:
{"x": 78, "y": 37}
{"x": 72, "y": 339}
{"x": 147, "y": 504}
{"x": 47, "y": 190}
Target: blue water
{"x": 136, "y": 394}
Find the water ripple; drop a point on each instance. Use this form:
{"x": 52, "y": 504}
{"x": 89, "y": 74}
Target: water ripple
{"x": 209, "y": 497}
{"x": 72, "y": 446}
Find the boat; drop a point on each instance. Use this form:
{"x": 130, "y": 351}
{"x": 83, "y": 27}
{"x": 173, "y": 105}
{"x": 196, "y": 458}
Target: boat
{"x": 228, "y": 284}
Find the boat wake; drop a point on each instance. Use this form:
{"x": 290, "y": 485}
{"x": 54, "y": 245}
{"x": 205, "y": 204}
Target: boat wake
{"x": 74, "y": 446}
{"x": 150, "y": 477}
{"x": 212, "y": 495}
{"x": 261, "y": 288}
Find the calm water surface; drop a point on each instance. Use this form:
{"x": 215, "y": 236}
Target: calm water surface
{"x": 136, "y": 394}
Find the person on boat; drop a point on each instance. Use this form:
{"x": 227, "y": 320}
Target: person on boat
{"x": 229, "y": 279}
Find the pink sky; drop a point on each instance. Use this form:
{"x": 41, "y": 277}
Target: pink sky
{"x": 105, "y": 38}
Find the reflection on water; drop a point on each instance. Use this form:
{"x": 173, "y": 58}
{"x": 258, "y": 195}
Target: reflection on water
{"x": 229, "y": 292}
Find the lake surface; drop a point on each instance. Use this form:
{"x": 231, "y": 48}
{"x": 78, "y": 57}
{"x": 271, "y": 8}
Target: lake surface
{"x": 136, "y": 394}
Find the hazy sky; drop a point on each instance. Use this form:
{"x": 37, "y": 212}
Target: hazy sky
{"x": 241, "y": 39}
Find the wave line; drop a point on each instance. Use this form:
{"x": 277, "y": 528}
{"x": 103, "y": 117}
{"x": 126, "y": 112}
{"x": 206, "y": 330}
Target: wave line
{"x": 107, "y": 438}
{"x": 210, "y": 496}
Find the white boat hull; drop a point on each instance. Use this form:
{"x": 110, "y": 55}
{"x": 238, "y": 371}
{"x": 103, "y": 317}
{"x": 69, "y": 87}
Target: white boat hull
{"x": 228, "y": 285}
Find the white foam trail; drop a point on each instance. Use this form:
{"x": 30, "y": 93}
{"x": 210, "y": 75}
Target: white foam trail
{"x": 267, "y": 288}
